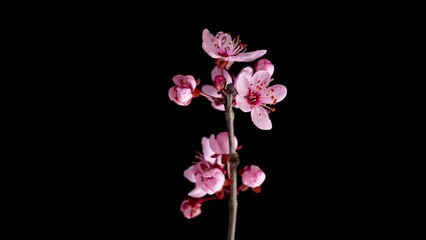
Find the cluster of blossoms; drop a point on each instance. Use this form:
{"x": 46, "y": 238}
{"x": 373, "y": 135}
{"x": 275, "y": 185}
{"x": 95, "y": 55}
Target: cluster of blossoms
{"x": 253, "y": 94}
{"x": 210, "y": 174}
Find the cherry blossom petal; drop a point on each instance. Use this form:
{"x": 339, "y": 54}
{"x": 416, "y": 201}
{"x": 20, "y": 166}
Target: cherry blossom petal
{"x": 174, "y": 96}
{"x": 208, "y": 46}
{"x": 197, "y": 192}
{"x": 185, "y": 81}
{"x": 223, "y": 142}
{"x": 242, "y": 82}
{"x": 190, "y": 172}
{"x": 242, "y": 103}
{"x": 183, "y": 94}
{"x": 261, "y": 78}
{"x": 207, "y": 151}
{"x": 274, "y": 94}
{"x": 172, "y": 93}
{"x": 210, "y": 181}
{"x": 247, "y": 56}
{"x": 248, "y": 71}
{"x": 260, "y": 118}
{"x": 213, "y": 144}
{"x": 212, "y": 91}
{"x": 216, "y": 146}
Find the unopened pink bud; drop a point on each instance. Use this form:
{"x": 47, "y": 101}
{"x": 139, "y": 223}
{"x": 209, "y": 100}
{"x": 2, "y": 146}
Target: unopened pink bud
{"x": 264, "y": 64}
{"x": 219, "y": 82}
{"x": 253, "y": 176}
{"x": 191, "y": 208}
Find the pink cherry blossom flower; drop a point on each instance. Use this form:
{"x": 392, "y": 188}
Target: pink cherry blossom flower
{"x": 227, "y": 50}
{"x": 207, "y": 178}
{"x": 184, "y": 90}
{"x": 196, "y": 168}
{"x": 252, "y": 176}
{"x": 210, "y": 181}
{"x": 254, "y": 96}
{"x": 264, "y": 64}
{"x": 191, "y": 207}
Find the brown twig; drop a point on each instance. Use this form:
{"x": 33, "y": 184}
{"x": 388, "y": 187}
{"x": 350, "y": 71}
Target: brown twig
{"x": 233, "y": 161}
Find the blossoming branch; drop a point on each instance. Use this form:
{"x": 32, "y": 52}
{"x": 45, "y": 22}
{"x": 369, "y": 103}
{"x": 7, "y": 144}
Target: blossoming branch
{"x": 216, "y": 169}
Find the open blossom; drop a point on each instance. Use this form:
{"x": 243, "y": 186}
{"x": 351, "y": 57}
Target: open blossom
{"x": 252, "y": 176}
{"x": 191, "y": 207}
{"x": 255, "y": 94}
{"x": 227, "y": 50}
{"x": 184, "y": 89}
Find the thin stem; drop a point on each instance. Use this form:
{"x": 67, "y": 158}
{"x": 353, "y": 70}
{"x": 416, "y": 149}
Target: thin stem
{"x": 233, "y": 161}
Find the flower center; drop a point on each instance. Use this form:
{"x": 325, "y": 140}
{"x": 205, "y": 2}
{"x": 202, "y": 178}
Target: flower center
{"x": 226, "y": 46}
{"x": 253, "y": 98}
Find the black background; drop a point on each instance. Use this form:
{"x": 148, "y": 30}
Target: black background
{"x": 91, "y": 84}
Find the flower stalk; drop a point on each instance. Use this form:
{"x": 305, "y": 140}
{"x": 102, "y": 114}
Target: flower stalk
{"x": 234, "y": 160}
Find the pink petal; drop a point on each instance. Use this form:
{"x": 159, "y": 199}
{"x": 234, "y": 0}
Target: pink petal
{"x": 223, "y": 142}
{"x": 246, "y": 70}
{"x": 189, "y": 173}
{"x": 207, "y": 44}
{"x": 197, "y": 193}
{"x": 242, "y": 81}
{"x": 187, "y": 212}
{"x": 218, "y": 107}
{"x": 187, "y": 81}
{"x": 183, "y": 94}
{"x": 261, "y": 77}
{"x": 215, "y": 184}
{"x": 177, "y": 79}
{"x": 260, "y": 118}
{"x": 211, "y": 181}
{"x": 213, "y": 143}
{"x": 207, "y": 151}
{"x": 185, "y": 205}
{"x": 242, "y": 103}
{"x": 191, "y": 80}
{"x": 274, "y": 94}
{"x": 260, "y": 179}
{"x": 247, "y": 178}
{"x": 247, "y": 56}
{"x": 212, "y": 91}
{"x": 172, "y": 93}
